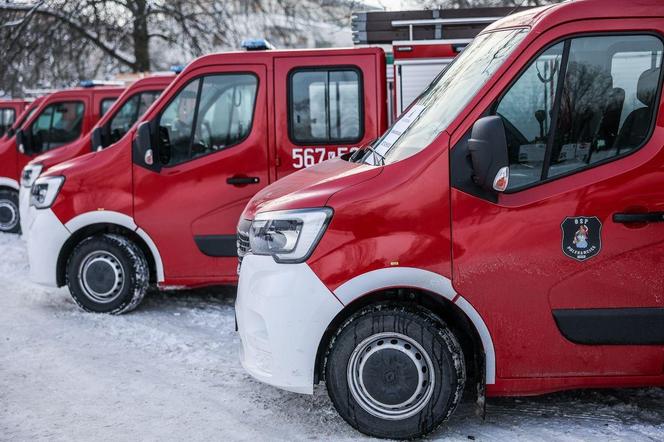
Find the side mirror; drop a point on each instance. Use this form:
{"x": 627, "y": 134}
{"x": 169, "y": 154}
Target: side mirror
{"x": 96, "y": 139}
{"x": 488, "y": 153}
{"x": 23, "y": 142}
{"x": 145, "y": 146}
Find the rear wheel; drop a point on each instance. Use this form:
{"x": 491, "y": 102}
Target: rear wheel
{"x": 107, "y": 274}
{"x": 9, "y": 214}
{"x": 395, "y": 372}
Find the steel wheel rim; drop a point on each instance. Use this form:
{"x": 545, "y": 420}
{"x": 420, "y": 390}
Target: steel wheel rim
{"x": 421, "y": 361}
{"x": 113, "y": 276}
{"x": 9, "y": 207}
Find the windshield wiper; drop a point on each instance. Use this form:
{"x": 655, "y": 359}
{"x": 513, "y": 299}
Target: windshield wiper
{"x": 373, "y": 151}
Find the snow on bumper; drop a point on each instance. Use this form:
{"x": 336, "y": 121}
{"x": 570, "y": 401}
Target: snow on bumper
{"x": 26, "y": 212}
{"x": 282, "y": 312}
{"x": 46, "y": 236}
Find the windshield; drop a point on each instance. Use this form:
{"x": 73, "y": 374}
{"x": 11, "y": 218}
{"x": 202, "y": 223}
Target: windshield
{"x": 435, "y": 109}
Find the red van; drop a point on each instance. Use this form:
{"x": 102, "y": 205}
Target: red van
{"x": 161, "y": 205}
{"x": 60, "y": 119}
{"x": 9, "y": 111}
{"x": 504, "y": 237}
{"x": 115, "y": 123}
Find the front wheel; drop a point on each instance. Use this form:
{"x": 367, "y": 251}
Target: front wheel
{"x": 9, "y": 215}
{"x": 107, "y": 274}
{"x": 395, "y": 371}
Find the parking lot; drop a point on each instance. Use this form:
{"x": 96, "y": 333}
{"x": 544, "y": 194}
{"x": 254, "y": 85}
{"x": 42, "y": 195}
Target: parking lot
{"x": 170, "y": 371}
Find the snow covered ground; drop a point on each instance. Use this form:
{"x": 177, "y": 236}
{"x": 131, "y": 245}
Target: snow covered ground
{"x": 170, "y": 371}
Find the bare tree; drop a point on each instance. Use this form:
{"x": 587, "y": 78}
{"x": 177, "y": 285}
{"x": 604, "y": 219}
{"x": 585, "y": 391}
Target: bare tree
{"x": 57, "y": 42}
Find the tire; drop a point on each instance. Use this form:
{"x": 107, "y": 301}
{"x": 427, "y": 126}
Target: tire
{"x": 107, "y": 274}
{"x": 9, "y": 214}
{"x": 395, "y": 371}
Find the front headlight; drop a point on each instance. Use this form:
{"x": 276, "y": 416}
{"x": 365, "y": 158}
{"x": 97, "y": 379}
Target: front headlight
{"x": 45, "y": 190}
{"x": 289, "y": 236}
{"x": 30, "y": 174}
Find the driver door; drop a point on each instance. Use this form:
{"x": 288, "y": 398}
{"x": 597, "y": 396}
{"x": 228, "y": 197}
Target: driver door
{"x": 213, "y": 158}
{"x": 568, "y": 285}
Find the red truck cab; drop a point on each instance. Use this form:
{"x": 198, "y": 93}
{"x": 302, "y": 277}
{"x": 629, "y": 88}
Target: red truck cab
{"x": 61, "y": 118}
{"x": 161, "y": 205}
{"x": 505, "y": 236}
{"x": 114, "y": 124}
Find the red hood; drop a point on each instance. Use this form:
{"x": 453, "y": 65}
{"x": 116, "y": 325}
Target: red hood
{"x": 57, "y": 156}
{"x": 311, "y": 187}
{"x": 79, "y": 163}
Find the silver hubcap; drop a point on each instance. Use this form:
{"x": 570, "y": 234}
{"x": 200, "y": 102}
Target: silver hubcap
{"x": 8, "y": 215}
{"x": 390, "y": 376}
{"x": 101, "y": 276}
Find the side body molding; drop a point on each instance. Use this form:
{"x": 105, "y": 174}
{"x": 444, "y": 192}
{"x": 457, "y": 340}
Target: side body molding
{"x": 8, "y": 182}
{"x": 110, "y": 217}
{"x": 424, "y": 280}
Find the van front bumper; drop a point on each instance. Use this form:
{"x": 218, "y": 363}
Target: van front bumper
{"x": 282, "y": 313}
{"x": 46, "y": 237}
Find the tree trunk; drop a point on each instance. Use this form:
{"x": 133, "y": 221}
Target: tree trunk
{"x": 141, "y": 37}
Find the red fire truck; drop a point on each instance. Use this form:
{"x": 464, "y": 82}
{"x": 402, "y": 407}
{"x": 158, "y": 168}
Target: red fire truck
{"x": 505, "y": 236}
{"x": 115, "y": 123}
{"x": 161, "y": 205}
{"x": 61, "y": 118}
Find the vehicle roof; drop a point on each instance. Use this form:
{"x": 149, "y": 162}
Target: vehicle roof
{"x": 546, "y": 17}
{"x": 156, "y": 79}
{"x": 85, "y": 90}
{"x": 14, "y": 100}
{"x": 246, "y": 57}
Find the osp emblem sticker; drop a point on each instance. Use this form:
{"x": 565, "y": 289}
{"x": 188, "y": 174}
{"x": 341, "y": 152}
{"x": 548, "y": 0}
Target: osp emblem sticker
{"x": 582, "y": 237}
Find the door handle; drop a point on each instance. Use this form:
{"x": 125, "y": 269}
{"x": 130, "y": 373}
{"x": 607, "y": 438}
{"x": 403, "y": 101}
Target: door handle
{"x": 645, "y": 217}
{"x": 242, "y": 180}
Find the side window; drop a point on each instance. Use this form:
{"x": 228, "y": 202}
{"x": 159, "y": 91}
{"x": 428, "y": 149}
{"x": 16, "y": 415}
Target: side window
{"x": 58, "y": 124}
{"x": 147, "y": 98}
{"x": 176, "y": 124}
{"x": 123, "y": 119}
{"x": 608, "y": 102}
{"x": 7, "y": 117}
{"x": 25, "y": 116}
{"x": 42, "y": 125}
{"x": 225, "y": 112}
{"x": 106, "y": 105}
{"x": 208, "y": 115}
{"x": 129, "y": 113}
{"x": 325, "y": 106}
{"x": 526, "y": 109}
{"x": 582, "y": 102}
